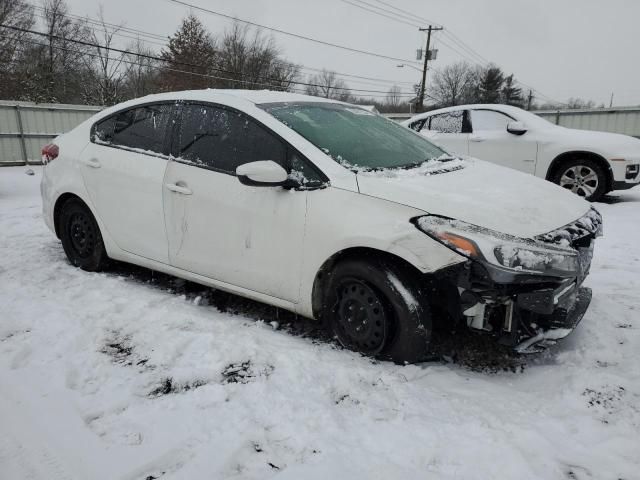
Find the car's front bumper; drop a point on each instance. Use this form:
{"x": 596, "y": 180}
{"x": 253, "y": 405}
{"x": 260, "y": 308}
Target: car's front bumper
{"x": 625, "y": 175}
{"x": 562, "y": 321}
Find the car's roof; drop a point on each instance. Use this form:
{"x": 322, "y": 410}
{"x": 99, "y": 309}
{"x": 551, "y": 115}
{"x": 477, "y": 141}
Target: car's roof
{"x": 489, "y": 106}
{"x": 253, "y": 96}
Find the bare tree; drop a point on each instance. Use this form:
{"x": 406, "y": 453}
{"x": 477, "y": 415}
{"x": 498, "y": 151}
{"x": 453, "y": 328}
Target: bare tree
{"x": 140, "y": 76}
{"x": 326, "y": 84}
{"x": 104, "y": 66}
{"x": 17, "y": 14}
{"x": 394, "y": 97}
{"x": 63, "y": 63}
{"x": 453, "y": 84}
{"x": 252, "y": 60}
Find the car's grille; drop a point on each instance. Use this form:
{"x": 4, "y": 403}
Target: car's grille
{"x": 577, "y": 234}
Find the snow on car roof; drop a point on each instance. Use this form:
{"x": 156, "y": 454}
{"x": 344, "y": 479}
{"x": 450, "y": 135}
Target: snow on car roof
{"x": 508, "y": 109}
{"x": 253, "y": 96}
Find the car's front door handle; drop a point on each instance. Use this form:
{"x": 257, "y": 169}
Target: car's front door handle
{"x": 475, "y": 138}
{"x": 178, "y": 189}
{"x": 91, "y": 162}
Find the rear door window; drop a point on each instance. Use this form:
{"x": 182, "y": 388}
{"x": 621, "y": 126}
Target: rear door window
{"x": 143, "y": 128}
{"x": 450, "y": 122}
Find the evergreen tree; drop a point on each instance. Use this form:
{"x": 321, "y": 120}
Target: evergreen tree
{"x": 490, "y": 85}
{"x": 511, "y": 94}
{"x": 192, "y": 51}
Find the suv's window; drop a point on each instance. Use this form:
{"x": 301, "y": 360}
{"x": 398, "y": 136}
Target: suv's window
{"x": 450, "y": 122}
{"x": 418, "y": 124}
{"x": 143, "y": 128}
{"x": 483, "y": 120}
{"x": 224, "y": 139}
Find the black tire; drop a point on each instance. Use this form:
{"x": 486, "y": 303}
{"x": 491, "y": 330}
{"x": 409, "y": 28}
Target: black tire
{"x": 378, "y": 309}
{"x": 576, "y": 175}
{"x": 81, "y": 238}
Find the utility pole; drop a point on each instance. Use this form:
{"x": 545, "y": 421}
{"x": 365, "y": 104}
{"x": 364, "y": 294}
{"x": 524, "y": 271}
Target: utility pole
{"x": 529, "y": 99}
{"x": 427, "y": 55}
{"x": 611, "y": 101}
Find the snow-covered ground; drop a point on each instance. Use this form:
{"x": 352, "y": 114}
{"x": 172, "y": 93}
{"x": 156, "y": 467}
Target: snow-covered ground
{"x": 120, "y": 376}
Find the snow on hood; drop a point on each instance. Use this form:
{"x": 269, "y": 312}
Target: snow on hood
{"x": 482, "y": 194}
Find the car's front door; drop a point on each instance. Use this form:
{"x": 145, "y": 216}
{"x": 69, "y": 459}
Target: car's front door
{"x": 448, "y": 131}
{"x": 491, "y": 141}
{"x": 123, "y": 168}
{"x": 246, "y": 236}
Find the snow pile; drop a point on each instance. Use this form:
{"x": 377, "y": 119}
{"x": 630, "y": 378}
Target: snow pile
{"x": 112, "y": 376}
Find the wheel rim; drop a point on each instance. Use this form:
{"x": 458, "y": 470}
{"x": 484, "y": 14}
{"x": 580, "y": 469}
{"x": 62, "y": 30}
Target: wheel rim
{"x": 581, "y": 180}
{"x": 82, "y": 234}
{"x": 360, "y": 319}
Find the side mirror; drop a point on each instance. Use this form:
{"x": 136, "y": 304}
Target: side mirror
{"x": 516, "y": 128}
{"x": 264, "y": 173}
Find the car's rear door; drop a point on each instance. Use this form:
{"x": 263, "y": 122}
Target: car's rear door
{"x": 123, "y": 168}
{"x": 491, "y": 141}
{"x": 249, "y": 237}
{"x": 448, "y": 131}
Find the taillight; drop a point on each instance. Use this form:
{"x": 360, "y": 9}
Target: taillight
{"x": 49, "y": 152}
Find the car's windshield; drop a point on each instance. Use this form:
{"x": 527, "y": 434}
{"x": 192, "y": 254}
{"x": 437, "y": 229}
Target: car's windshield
{"x": 354, "y": 137}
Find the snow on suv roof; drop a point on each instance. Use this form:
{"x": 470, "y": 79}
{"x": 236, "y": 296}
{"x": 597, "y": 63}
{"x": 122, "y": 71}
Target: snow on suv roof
{"x": 508, "y": 109}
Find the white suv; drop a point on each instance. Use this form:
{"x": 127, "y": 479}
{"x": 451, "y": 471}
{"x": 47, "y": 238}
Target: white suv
{"x": 586, "y": 162}
{"x": 325, "y": 209}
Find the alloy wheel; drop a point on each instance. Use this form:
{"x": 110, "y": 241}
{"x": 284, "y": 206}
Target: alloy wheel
{"x": 580, "y": 179}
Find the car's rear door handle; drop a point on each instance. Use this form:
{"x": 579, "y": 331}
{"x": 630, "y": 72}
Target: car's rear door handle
{"x": 91, "y": 162}
{"x": 178, "y": 189}
{"x": 476, "y": 138}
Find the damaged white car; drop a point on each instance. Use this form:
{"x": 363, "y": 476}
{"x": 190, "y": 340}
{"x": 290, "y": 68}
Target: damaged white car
{"x": 324, "y": 209}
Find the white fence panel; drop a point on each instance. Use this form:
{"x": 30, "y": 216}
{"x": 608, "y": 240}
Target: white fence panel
{"x": 25, "y": 127}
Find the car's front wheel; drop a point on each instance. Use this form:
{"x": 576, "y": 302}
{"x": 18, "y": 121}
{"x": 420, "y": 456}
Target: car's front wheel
{"x": 583, "y": 177}
{"x": 80, "y": 236}
{"x": 377, "y": 308}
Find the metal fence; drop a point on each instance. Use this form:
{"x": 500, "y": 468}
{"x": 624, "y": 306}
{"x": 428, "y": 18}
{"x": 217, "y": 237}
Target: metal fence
{"x": 25, "y": 127}
{"x": 624, "y": 120}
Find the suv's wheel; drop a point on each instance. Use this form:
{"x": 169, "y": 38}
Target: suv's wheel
{"x": 378, "y": 309}
{"x": 583, "y": 177}
{"x": 81, "y": 238}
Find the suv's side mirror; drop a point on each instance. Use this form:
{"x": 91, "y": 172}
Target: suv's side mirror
{"x": 263, "y": 173}
{"x": 516, "y": 128}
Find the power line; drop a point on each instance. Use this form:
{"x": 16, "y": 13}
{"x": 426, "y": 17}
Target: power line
{"x": 291, "y": 34}
{"x": 131, "y": 62}
{"x": 99, "y": 23}
{"x": 468, "y": 52}
{"x": 154, "y": 57}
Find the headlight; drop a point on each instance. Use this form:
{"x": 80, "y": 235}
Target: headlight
{"x": 514, "y": 253}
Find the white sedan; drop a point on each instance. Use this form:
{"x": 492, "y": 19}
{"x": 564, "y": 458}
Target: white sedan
{"x": 588, "y": 163}
{"x": 324, "y": 209}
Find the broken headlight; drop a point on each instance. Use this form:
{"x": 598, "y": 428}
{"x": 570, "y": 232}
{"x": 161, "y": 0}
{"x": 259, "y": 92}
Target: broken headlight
{"x": 499, "y": 249}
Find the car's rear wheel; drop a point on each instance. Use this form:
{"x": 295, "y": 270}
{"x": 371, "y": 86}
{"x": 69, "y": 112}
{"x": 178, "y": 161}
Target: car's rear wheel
{"x": 377, "y": 308}
{"x": 584, "y": 177}
{"x": 80, "y": 236}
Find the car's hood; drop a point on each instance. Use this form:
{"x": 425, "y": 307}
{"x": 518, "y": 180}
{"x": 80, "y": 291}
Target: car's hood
{"x": 608, "y": 144}
{"x": 482, "y": 194}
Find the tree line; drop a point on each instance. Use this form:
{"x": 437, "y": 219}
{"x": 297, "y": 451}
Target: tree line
{"x": 49, "y": 55}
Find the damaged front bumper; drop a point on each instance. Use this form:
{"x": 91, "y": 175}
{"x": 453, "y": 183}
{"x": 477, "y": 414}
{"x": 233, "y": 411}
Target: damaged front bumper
{"x": 522, "y": 310}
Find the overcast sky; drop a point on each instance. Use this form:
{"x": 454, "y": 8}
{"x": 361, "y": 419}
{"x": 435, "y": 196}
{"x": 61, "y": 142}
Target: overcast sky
{"x": 563, "y": 48}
